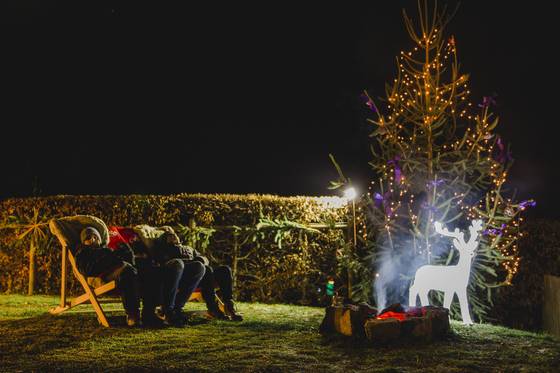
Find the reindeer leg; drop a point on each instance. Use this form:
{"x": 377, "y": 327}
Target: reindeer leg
{"x": 465, "y": 314}
{"x": 424, "y": 298}
{"x": 412, "y": 295}
{"x": 448, "y": 299}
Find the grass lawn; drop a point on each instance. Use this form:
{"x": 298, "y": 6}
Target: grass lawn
{"x": 272, "y": 338}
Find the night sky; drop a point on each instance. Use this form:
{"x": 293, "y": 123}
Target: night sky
{"x": 117, "y": 98}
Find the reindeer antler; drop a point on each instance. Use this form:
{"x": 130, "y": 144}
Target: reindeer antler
{"x": 445, "y": 232}
{"x": 475, "y": 228}
{"x": 477, "y": 225}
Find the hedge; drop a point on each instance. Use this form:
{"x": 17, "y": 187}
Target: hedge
{"x": 520, "y": 305}
{"x": 291, "y": 270}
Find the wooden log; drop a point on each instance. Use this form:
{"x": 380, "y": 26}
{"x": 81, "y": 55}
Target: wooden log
{"x": 433, "y": 325}
{"x": 551, "y": 306}
{"x": 360, "y": 321}
{"x": 440, "y": 321}
{"x": 347, "y": 320}
{"x": 383, "y": 331}
{"x": 338, "y": 319}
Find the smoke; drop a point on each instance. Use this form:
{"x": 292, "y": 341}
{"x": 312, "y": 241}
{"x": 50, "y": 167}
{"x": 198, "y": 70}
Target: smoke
{"x": 400, "y": 254}
{"x": 395, "y": 266}
{"x": 392, "y": 278}
{"x": 386, "y": 274}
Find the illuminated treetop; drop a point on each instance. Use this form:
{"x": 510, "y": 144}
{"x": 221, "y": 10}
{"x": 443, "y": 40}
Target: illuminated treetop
{"x": 438, "y": 158}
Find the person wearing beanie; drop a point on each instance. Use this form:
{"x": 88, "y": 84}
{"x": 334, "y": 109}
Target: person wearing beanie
{"x": 94, "y": 260}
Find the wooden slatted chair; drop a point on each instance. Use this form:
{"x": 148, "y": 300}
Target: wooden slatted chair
{"x": 67, "y": 230}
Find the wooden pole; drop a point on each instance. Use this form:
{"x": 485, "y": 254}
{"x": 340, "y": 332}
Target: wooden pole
{"x": 354, "y": 223}
{"x": 551, "y": 306}
{"x": 32, "y": 252}
{"x": 235, "y": 260}
{"x": 354, "y": 245}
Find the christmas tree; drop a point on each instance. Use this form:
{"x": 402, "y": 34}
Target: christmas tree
{"x": 437, "y": 157}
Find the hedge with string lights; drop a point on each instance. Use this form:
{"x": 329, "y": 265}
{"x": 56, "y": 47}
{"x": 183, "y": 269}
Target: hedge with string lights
{"x": 272, "y": 243}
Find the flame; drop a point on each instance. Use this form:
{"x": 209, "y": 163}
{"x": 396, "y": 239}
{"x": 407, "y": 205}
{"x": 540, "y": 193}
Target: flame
{"x": 390, "y": 314}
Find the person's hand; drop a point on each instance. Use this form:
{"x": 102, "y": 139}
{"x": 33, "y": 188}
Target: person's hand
{"x": 186, "y": 252}
{"x": 204, "y": 260}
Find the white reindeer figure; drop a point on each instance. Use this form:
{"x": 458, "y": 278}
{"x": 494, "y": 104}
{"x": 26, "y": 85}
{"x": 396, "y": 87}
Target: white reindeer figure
{"x": 449, "y": 279}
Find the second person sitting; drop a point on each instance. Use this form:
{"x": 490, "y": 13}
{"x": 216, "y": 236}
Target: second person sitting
{"x": 220, "y": 276}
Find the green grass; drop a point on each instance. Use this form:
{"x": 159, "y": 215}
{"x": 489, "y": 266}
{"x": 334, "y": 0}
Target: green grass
{"x": 272, "y": 338}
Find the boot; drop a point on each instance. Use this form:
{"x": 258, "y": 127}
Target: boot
{"x": 173, "y": 319}
{"x": 181, "y": 316}
{"x": 151, "y": 320}
{"x": 133, "y": 319}
{"x": 231, "y": 312}
{"x": 216, "y": 313}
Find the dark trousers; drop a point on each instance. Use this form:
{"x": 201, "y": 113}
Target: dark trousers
{"x": 151, "y": 286}
{"x": 180, "y": 278}
{"x": 220, "y": 276}
{"x": 127, "y": 282}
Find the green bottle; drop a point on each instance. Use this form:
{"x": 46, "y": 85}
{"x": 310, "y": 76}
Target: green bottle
{"x": 330, "y": 287}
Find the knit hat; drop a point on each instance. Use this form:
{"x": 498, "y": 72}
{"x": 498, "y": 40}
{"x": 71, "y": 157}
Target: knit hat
{"x": 87, "y": 232}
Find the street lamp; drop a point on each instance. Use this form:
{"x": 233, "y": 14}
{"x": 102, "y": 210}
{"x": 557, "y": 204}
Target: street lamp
{"x": 350, "y": 194}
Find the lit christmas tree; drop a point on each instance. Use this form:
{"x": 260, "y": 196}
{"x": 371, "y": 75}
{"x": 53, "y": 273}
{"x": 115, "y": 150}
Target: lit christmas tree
{"x": 437, "y": 158}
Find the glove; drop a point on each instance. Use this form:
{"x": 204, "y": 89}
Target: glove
{"x": 186, "y": 252}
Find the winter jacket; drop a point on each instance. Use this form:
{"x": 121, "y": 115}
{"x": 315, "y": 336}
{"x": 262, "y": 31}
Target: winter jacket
{"x": 98, "y": 261}
{"x": 163, "y": 252}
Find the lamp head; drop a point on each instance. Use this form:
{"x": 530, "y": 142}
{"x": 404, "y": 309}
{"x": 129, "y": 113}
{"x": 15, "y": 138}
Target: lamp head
{"x": 350, "y": 193}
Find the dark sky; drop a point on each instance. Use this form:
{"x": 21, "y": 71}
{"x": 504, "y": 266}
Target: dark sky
{"x": 118, "y": 98}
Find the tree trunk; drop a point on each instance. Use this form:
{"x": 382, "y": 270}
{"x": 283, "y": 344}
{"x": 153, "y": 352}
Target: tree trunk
{"x": 31, "y": 283}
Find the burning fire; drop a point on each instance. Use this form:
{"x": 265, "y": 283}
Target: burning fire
{"x": 400, "y": 313}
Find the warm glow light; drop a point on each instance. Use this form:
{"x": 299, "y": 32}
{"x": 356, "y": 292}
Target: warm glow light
{"x": 350, "y": 193}
{"x": 328, "y": 202}
{"x": 449, "y": 279}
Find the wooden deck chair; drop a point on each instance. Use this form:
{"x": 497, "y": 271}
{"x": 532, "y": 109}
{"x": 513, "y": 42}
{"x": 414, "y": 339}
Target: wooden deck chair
{"x": 67, "y": 230}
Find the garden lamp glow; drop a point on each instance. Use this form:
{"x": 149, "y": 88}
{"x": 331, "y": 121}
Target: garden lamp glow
{"x": 350, "y": 193}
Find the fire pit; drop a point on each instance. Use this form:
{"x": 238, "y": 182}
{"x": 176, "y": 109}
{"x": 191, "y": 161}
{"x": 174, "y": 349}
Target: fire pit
{"x": 393, "y": 323}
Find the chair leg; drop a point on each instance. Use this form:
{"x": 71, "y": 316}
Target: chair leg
{"x": 63, "y": 306}
{"x": 196, "y": 297}
{"x": 91, "y": 295}
{"x": 83, "y": 298}
{"x": 63, "y": 274}
{"x": 95, "y": 303}
{"x": 220, "y": 304}
{"x": 98, "y": 291}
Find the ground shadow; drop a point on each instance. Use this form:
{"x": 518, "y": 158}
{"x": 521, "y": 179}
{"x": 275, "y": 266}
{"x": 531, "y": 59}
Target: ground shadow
{"x": 39, "y": 334}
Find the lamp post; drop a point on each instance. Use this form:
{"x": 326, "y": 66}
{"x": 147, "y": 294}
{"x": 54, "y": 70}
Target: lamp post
{"x": 350, "y": 194}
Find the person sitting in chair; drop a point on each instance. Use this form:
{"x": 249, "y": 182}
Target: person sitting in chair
{"x": 93, "y": 260}
{"x": 179, "y": 280}
{"x": 170, "y": 243}
{"x": 150, "y": 280}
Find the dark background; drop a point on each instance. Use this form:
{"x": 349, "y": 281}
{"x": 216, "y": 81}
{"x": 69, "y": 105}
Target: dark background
{"x": 116, "y": 97}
